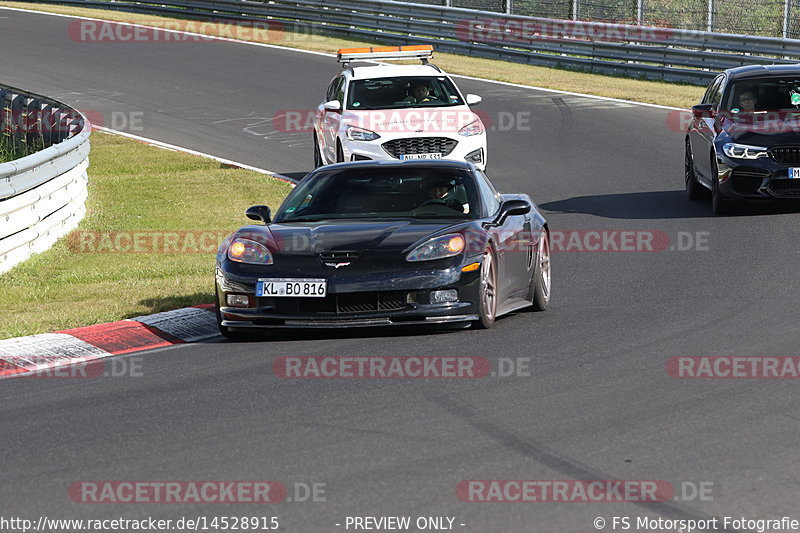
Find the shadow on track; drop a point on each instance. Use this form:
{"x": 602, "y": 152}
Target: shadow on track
{"x": 657, "y": 205}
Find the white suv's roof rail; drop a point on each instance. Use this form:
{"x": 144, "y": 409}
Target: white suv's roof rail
{"x": 422, "y": 52}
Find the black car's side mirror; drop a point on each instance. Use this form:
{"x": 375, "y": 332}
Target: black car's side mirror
{"x": 514, "y": 208}
{"x": 259, "y": 212}
{"x": 703, "y": 111}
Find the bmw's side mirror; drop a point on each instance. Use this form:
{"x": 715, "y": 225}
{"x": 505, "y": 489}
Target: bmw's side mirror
{"x": 333, "y": 105}
{"x": 473, "y": 99}
{"x": 703, "y": 111}
{"x": 259, "y": 212}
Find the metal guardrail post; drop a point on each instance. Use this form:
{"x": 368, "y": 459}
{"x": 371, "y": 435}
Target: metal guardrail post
{"x": 509, "y": 7}
{"x": 786, "y": 11}
{"x": 575, "y": 7}
{"x": 639, "y": 11}
{"x": 710, "y": 18}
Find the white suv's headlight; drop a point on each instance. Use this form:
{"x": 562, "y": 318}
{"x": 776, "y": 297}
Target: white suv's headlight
{"x": 744, "y": 151}
{"x": 438, "y": 248}
{"x": 473, "y": 128}
{"x": 247, "y": 251}
{"x": 355, "y": 133}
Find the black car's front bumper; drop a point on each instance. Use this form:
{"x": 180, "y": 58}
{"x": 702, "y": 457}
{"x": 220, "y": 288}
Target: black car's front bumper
{"x": 353, "y": 299}
{"x": 754, "y": 179}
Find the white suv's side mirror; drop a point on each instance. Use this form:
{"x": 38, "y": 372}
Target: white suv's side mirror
{"x": 473, "y": 99}
{"x": 333, "y": 105}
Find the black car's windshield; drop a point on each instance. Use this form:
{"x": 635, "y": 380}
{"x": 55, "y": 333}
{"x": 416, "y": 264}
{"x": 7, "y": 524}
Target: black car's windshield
{"x": 382, "y": 193}
{"x": 402, "y": 92}
{"x": 764, "y": 95}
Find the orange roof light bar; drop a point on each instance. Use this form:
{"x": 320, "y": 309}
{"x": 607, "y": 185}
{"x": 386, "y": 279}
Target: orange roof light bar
{"x": 382, "y": 53}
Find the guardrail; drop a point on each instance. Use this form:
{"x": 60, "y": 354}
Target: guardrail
{"x": 42, "y": 195}
{"x": 640, "y": 51}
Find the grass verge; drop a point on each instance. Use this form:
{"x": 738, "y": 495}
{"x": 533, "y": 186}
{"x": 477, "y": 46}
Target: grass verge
{"x": 134, "y": 189}
{"x": 653, "y": 92}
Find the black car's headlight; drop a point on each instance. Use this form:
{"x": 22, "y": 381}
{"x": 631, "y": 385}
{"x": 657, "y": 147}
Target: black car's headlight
{"x": 247, "y": 251}
{"x": 744, "y": 151}
{"x": 438, "y": 248}
{"x": 354, "y": 133}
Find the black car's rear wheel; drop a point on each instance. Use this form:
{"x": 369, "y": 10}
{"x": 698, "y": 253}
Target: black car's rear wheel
{"x": 694, "y": 190}
{"x": 487, "y": 291}
{"x": 539, "y": 293}
{"x": 317, "y": 156}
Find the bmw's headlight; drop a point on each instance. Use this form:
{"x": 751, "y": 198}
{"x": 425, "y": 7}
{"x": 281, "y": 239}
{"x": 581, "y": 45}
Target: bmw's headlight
{"x": 355, "y": 133}
{"x": 247, "y": 251}
{"x": 744, "y": 151}
{"x": 473, "y": 128}
{"x": 438, "y": 248}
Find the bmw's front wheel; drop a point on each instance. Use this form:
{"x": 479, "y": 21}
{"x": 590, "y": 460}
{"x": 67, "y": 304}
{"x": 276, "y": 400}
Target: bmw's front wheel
{"x": 694, "y": 190}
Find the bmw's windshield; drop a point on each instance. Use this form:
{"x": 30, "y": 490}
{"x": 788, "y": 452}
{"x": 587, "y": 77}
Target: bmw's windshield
{"x": 402, "y": 92}
{"x": 382, "y": 193}
{"x": 764, "y": 95}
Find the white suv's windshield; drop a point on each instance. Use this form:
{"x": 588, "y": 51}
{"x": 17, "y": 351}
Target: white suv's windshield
{"x": 402, "y": 92}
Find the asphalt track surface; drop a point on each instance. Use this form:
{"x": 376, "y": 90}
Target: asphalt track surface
{"x": 598, "y": 404}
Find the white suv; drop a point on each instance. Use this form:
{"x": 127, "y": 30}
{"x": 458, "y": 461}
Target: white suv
{"x": 396, "y": 112}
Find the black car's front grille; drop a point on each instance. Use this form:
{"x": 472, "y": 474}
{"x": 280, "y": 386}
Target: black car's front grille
{"x": 355, "y": 302}
{"x": 420, "y": 145}
{"x": 334, "y": 258}
{"x": 786, "y": 155}
{"x": 785, "y": 187}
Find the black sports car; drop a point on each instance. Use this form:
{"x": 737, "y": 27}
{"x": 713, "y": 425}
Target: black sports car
{"x": 743, "y": 142}
{"x": 385, "y": 243}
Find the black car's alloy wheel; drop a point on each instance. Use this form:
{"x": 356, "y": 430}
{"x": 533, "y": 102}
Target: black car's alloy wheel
{"x": 487, "y": 291}
{"x": 539, "y": 293}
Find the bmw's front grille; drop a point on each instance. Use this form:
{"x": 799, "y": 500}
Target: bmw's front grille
{"x": 355, "y": 302}
{"x": 785, "y": 187}
{"x": 786, "y": 155}
{"x": 420, "y": 145}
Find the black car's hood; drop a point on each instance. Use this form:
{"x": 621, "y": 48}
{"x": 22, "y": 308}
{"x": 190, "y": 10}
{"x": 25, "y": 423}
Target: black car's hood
{"x": 314, "y": 237}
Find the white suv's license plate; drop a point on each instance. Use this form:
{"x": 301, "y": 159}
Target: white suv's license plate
{"x": 794, "y": 173}
{"x": 405, "y": 157}
{"x": 292, "y": 287}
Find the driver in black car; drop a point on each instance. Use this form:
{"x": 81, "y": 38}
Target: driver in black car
{"x": 440, "y": 192}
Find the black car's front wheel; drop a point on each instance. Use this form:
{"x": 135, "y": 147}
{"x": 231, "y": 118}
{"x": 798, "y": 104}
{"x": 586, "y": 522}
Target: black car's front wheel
{"x": 720, "y": 205}
{"x": 539, "y": 293}
{"x": 694, "y": 190}
{"x": 487, "y": 291}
